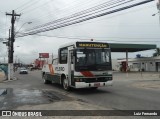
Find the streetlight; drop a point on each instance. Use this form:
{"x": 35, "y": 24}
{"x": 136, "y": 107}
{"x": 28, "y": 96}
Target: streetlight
{"x": 10, "y": 52}
{"x": 22, "y": 26}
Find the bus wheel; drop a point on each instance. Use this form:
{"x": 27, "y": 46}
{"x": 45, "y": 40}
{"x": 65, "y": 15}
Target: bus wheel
{"x": 65, "y": 84}
{"x": 46, "y": 81}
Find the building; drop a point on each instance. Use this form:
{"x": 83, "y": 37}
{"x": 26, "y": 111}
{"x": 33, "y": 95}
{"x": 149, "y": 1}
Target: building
{"x": 142, "y": 64}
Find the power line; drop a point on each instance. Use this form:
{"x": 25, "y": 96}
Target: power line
{"x": 85, "y": 19}
{"x": 79, "y": 17}
{"x": 87, "y": 38}
{"x": 47, "y": 15}
{"x": 27, "y": 11}
{"x": 84, "y": 12}
{"x": 78, "y": 5}
{"x": 23, "y": 5}
{"x": 44, "y": 17}
{"x": 120, "y": 15}
{"x": 56, "y": 11}
{"x": 26, "y": 5}
{"x": 31, "y": 10}
{"x": 61, "y": 37}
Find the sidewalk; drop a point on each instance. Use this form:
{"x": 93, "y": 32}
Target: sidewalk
{"x": 136, "y": 76}
{"x": 146, "y": 80}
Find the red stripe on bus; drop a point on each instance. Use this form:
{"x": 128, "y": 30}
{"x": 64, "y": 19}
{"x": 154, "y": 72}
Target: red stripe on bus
{"x": 51, "y": 69}
{"x": 87, "y": 74}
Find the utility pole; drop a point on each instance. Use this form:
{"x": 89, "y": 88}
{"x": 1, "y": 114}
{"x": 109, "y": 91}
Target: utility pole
{"x": 9, "y": 52}
{"x": 11, "y": 45}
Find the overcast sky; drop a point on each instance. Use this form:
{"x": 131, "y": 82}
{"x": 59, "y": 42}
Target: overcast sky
{"x": 135, "y": 25}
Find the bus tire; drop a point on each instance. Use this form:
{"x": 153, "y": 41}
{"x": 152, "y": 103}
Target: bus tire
{"x": 66, "y": 84}
{"x": 45, "y": 80}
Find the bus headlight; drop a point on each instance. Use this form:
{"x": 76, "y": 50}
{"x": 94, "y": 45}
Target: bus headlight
{"x": 77, "y": 80}
{"x": 80, "y": 80}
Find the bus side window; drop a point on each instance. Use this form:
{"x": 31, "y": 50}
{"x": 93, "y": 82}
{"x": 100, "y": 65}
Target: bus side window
{"x": 63, "y": 55}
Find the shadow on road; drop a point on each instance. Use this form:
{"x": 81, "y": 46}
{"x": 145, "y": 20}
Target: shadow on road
{"x": 83, "y": 91}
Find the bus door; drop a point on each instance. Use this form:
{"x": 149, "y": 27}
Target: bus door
{"x": 71, "y": 68}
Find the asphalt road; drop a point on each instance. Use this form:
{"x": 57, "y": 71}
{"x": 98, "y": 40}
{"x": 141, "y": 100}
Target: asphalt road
{"x": 122, "y": 96}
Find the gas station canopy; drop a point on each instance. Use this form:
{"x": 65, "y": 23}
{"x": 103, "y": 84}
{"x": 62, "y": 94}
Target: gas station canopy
{"x": 118, "y": 47}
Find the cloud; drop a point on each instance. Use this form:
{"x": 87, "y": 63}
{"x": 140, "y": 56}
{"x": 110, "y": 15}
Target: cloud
{"x": 136, "y": 22}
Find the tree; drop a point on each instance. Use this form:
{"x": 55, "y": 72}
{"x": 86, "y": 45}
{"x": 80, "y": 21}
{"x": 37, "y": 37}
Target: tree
{"x": 157, "y": 52}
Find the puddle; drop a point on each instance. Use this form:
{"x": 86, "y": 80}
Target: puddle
{"x": 27, "y": 93}
{"x": 37, "y": 96}
{"x": 18, "y": 97}
{"x": 26, "y": 96}
{"x": 3, "y": 92}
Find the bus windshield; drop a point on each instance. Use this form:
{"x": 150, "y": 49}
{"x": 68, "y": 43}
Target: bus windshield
{"x": 93, "y": 59}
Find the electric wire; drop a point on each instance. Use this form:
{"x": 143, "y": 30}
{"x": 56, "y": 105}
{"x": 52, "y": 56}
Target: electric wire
{"x": 34, "y": 8}
{"x": 77, "y": 37}
{"x": 92, "y": 9}
{"x": 67, "y": 19}
{"x": 23, "y": 5}
{"x": 57, "y": 12}
{"x": 74, "y": 19}
{"x": 29, "y": 4}
{"x": 120, "y": 14}
{"x": 31, "y": 10}
{"x": 89, "y": 38}
{"x": 49, "y": 17}
{"x": 90, "y": 17}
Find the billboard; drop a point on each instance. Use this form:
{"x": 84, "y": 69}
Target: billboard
{"x": 43, "y": 55}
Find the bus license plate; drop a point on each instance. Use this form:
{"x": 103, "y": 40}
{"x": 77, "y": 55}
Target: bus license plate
{"x": 97, "y": 84}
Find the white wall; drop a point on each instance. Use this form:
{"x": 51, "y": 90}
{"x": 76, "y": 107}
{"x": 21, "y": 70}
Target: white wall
{"x": 115, "y": 65}
{"x": 148, "y": 64}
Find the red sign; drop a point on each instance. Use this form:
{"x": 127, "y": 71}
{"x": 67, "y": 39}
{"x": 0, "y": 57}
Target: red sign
{"x": 43, "y": 55}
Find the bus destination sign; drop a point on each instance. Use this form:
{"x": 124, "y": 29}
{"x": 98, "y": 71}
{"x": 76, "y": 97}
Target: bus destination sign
{"x": 92, "y": 45}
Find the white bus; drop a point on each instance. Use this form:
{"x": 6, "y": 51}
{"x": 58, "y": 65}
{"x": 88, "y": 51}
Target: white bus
{"x": 80, "y": 65}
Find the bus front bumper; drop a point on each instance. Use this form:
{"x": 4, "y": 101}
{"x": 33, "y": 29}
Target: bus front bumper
{"x": 94, "y": 84}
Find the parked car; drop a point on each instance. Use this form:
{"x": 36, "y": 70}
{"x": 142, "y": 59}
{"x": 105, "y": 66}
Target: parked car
{"x": 23, "y": 70}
